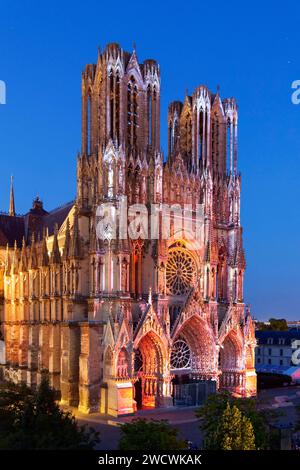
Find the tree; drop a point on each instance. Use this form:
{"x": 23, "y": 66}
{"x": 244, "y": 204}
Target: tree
{"x": 212, "y": 413}
{"x": 275, "y": 324}
{"x": 233, "y": 432}
{"x": 34, "y": 421}
{"x": 153, "y": 435}
{"x": 228, "y": 435}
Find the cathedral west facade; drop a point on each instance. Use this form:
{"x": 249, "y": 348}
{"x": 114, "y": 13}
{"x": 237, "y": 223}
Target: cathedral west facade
{"x": 119, "y": 323}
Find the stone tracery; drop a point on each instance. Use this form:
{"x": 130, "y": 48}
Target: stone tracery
{"x": 180, "y": 271}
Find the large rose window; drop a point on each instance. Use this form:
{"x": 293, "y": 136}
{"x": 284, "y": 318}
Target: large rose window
{"x": 180, "y": 355}
{"x": 180, "y": 271}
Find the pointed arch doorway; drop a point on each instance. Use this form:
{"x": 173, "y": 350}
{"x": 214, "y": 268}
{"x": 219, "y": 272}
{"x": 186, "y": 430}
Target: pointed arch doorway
{"x": 151, "y": 385}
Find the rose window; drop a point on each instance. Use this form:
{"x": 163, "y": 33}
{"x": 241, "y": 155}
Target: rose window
{"x": 180, "y": 355}
{"x": 180, "y": 272}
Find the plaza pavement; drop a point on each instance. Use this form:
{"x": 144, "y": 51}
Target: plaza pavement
{"x": 282, "y": 400}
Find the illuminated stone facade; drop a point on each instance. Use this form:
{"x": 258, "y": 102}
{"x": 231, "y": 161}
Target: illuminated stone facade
{"x": 115, "y": 323}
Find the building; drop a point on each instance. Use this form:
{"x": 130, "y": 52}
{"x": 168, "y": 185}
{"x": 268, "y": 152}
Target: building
{"x": 278, "y": 352}
{"x": 294, "y": 324}
{"x": 120, "y": 323}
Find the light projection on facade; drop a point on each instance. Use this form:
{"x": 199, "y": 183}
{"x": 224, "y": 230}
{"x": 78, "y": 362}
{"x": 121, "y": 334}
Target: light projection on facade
{"x": 119, "y": 324}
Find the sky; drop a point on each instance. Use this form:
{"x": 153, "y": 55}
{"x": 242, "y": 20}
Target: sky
{"x": 250, "y": 50}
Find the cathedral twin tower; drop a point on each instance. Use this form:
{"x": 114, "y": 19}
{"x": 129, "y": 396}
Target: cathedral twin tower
{"x": 118, "y": 324}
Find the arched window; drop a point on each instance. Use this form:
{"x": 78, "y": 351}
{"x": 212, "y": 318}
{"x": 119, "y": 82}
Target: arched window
{"x": 132, "y": 112}
{"x": 114, "y": 93}
{"x": 88, "y": 124}
{"x": 122, "y": 365}
{"x": 154, "y": 97}
{"x": 188, "y": 139}
{"x": 234, "y": 143}
{"x": 111, "y": 96}
{"x": 174, "y": 135}
{"x": 117, "y": 108}
{"x": 228, "y": 145}
{"x": 201, "y": 135}
{"x": 149, "y": 114}
{"x": 215, "y": 141}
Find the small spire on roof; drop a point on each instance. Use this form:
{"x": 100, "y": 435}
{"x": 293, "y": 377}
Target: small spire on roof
{"x": 12, "y": 211}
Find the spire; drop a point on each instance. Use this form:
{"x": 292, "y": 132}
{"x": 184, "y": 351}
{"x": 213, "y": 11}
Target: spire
{"x": 14, "y": 263}
{"x": 32, "y": 264}
{"x": 75, "y": 239}
{"x": 55, "y": 255}
{"x": 23, "y": 258}
{"x": 12, "y": 211}
{"x": 7, "y": 261}
{"x": 66, "y": 251}
{"x": 44, "y": 254}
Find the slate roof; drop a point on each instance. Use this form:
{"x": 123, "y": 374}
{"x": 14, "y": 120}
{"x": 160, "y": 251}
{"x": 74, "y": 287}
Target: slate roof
{"x": 288, "y": 335}
{"x": 36, "y": 220}
{"x": 11, "y": 229}
{"x": 56, "y": 216}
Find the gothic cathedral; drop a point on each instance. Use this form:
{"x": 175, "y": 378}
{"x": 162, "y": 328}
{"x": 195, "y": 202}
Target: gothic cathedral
{"x": 123, "y": 323}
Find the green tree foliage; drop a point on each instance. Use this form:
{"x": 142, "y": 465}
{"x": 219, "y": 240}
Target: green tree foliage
{"x": 235, "y": 431}
{"x": 276, "y": 324}
{"x": 153, "y": 435}
{"x": 34, "y": 421}
{"x": 212, "y": 413}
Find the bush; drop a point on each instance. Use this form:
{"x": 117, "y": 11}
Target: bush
{"x": 153, "y": 435}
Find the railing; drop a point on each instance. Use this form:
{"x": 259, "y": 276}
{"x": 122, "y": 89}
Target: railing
{"x": 231, "y": 379}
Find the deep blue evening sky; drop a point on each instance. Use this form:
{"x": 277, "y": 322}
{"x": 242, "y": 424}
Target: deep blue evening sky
{"x": 251, "y": 52}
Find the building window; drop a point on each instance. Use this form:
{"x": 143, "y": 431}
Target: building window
{"x": 281, "y": 362}
{"x": 281, "y": 341}
{"x": 281, "y": 352}
{"x": 258, "y": 351}
{"x": 114, "y": 84}
{"x": 150, "y": 112}
{"x": 132, "y": 112}
{"x": 270, "y": 352}
{"x": 270, "y": 361}
{"x": 270, "y": 341}
{"x": 258, "y": 360}
{"x": 201, "y": 134}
